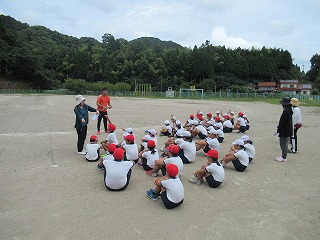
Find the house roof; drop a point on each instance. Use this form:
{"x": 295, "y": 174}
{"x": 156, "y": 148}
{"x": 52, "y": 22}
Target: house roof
{"x": 267, "y": 84}
{"x": 289, "y": 81}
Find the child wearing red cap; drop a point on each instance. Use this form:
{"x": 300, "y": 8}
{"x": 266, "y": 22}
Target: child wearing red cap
{"x": 93, "y": 149}
{"x": 171, "y": 157}
{"x": 131, "y": 149}
{"x": 148, "y": 156}
{"x": 227, "y": 124}
{"x": 169, "y": 188}
{"x": 109, "y": 156}
{"x": 117, "y": 173}
{"x": 212, "y": 171}
{"x": 112, "y": 136}
{"x": 240, "y": 124}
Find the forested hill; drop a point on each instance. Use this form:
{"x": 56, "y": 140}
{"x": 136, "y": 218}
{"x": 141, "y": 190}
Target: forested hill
{"x": 48, "y": 59}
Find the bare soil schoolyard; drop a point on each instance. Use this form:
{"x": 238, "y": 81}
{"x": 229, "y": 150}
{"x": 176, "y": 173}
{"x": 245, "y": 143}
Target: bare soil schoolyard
{"x": 50, "y": 192}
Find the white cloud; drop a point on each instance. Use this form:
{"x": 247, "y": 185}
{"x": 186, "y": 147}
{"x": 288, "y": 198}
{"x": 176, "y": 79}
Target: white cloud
{"x": 220, "y": 37}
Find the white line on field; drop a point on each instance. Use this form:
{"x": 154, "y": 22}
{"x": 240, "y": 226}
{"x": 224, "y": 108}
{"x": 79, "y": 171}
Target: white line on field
{"x": 34, "y": 134}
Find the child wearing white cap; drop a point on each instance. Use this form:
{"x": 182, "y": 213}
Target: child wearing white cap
{"x": 187, "y": 150}
{"x": 166, "y": 130}
{"x": 239, "y": 157}
{"x": 250, "y": 149}
{"x": 211, "y": 142}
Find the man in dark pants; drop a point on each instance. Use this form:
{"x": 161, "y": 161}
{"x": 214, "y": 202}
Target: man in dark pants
{"x": 285, "y": 128}
{"x": 103, "y": 103}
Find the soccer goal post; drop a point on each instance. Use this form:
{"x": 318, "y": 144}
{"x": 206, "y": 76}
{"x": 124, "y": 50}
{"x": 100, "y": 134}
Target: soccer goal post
{"x": 191, "y": 92}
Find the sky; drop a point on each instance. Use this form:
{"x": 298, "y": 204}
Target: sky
{"x": 291, "y": 25}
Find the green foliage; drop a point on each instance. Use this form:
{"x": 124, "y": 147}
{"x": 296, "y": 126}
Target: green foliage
{"x": 46, "y": 58}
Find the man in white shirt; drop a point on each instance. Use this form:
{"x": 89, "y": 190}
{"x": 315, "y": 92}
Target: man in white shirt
{"x": 297, "y": 123}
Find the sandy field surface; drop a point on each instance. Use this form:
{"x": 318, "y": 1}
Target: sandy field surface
{"x": 50, "y": 192}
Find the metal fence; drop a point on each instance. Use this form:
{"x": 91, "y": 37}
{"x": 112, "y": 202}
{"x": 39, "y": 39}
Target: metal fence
{"x": 206, "y": 95}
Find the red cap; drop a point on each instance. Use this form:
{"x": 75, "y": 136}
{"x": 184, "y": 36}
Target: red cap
{"x": 112, "y": 127}
{"x": 118, "y": 154}
{"x": 151, "y": 144}
{"x": 240, "y": 114}
{"x": 191, "y": 116}
{"x": 217, "y": 119}
{"x": 209, "y": 114}
{"x": 173, "y": 148}
{"x": 172, "y": 170}
{"x": 129, "y": 137}
{"x": 226, "y": 116}
{"x": 212, "y": 153}
{"x": 93, "y": 138}
{"x": 111, "y": 147}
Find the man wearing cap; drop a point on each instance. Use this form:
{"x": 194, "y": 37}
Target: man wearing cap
{"x": 297, "y": 123}
{"x": 169, "y": 188}
{"x": 285, "y": 128}
{"x": 103, "y": 104}
{"x": 212, "y": 171}
{"x": 82, "y": 120}
{"x": 117, "y": 173}
{"x": 239, "y": 157}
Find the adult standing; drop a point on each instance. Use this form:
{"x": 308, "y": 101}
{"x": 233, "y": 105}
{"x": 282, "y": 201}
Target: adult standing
{"x": 285, "y": 128}
{"x": 103, "y": 104}
{"x": 297, "y": 123}
{"x": 82, "y": 120}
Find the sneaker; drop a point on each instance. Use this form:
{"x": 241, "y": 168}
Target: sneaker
{"x": 100, "y": 168}
{"x": 151, "y": 194}
{"x": 280, "y": 159}
{"x": 82, "y": 153}
{"x": 194, "y": 181}
{"x": 98, "y": 132}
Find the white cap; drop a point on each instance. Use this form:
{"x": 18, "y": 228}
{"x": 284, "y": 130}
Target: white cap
{"x": 166, "y": 122}
{"x": 213, "y": 131}
{"x": 200, "y": 113}
{"x": 147, "y": 138}
{"x": 217, "y": 112}
{"x": 128, "y": 130}
{"x": 152, "y": 132}
{"x": 186, "y": 134}
{"x": 238, "y": 142}
{"x": 245, "y": 138}
{"x": 178, "y": 122}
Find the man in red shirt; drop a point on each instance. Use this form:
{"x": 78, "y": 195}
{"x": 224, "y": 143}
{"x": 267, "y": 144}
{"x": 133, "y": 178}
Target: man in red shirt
{"x": 103, "y": 103}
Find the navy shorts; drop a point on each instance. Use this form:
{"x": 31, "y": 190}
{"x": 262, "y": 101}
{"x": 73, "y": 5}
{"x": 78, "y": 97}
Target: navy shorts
{"x": 227, "y": 130}
{"x": 124, "y": 187}
{"x": 211, "y": 182}
{"x": 220, "y": 139}
{"x": 243, "y": 129}
{"x": 167, "y": 203}
{"x": 201, "y": 135}
{"x": 238, "y": 166}
{"x": 183, "y": 157}
{"x": 206, "y": 149}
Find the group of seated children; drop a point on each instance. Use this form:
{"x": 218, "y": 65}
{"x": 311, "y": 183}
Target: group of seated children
{"x": 180, "y": 149}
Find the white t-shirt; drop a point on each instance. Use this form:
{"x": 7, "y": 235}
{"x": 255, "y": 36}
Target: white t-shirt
{"x": 116, "y": 173}
{"x": 216, "y": 171}
{"x": 213, "y": 143}
{"x": 169, "y": 129}
{"x": 155, "y": 139}
{"x": 202, "y": 129}
{"x": 180, "y": 132}
{"x": 176, "y": 161}
{"x": 242, "y": 122}
{"x": 242, "y": 156}
{"x": 227, "y": 124}
{"x": 151, "y": 157}
{"x": 178, "y": 141}
{"x": 92, "y": 151}
{"x": 220, "y": 133}
{"x": 189, "y": 150}
{"x": 296, "y": 116}
{"x": 174, "y": 189}
{"x": 250, "y": 149}
{"x": 112, "y": 138}
{"x": 131, "y": 151}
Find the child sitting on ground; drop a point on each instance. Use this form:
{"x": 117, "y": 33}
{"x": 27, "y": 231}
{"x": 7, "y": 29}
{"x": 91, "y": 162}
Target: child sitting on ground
{"x": 131, "y": 149}
{"x": 212, "y": 171}
{"x": 169, "y": 188}
{"x": 148, "y": 157}
{"x": 93, "y": 149}
{"x": 109, "y": 156}
{"x": 166, "y": 130}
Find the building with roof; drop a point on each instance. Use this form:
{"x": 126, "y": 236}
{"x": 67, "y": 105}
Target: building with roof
{"x": 267, "y": 86}
{"x": 292, "y": 87}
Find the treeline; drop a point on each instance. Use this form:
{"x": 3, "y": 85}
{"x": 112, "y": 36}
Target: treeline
{"x": 50, "y": 60}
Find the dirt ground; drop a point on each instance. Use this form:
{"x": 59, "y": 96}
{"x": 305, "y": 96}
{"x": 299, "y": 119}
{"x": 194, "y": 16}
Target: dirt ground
{"x": 50, "y": 192}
